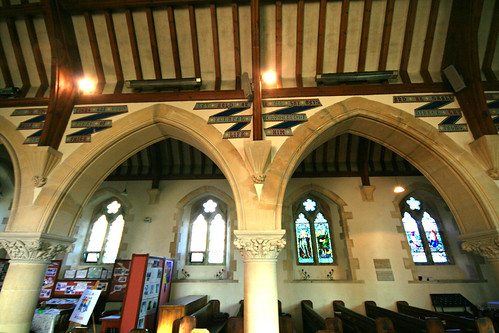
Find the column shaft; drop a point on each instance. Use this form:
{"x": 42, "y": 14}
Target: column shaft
{"x": 260, "y": 296}
{"x": 19, "y": 295}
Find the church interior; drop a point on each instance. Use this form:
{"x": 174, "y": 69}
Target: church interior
{"x": 229, "y": 150}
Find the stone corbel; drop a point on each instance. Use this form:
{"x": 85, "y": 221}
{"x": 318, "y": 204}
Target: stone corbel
{"x": 485, "y": 244}
{"x": 43, "y": 160}
{"x": 486, "y": 150}
{"x": 34, "y": 247}
{"x": 153, "y": 196}
{"x": 366, "y": 192}
{"x": 259, "y": 244}
{"x": 257, "y": 158}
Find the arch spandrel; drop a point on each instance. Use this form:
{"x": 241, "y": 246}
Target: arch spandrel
{"x": 72, "y": 182}
{"x": 471, "y": 195}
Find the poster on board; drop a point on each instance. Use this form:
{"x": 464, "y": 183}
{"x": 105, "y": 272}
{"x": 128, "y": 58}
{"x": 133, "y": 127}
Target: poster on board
{"x": 85, "y": 306}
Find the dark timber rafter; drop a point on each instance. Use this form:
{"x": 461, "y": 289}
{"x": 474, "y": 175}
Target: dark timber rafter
{"x": 66, "y": 67}
{"x": 461, "y": 51}
{"x": 255, "y": 53}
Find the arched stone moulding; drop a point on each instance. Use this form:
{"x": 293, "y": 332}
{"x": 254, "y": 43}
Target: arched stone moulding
{"x": 77, "y": 177}
{"x": 463, "y": 183}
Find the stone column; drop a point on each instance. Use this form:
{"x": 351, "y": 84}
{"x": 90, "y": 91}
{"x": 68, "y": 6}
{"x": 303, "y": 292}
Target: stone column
{"x": 260, "y": 250}
{"x": 30, "y": 254}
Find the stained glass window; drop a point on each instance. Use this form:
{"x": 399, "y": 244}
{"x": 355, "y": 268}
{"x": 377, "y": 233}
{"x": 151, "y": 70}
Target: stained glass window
{"x": 313, "y": 243}
{"x": 208, "y": 235}
{"x": 105, "y": 235}
{"x": 423, "y": 234}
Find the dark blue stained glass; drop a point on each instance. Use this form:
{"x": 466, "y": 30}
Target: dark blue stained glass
{"x": 303, "y": 240}
{"x": 434, "y": 239}
{"x": 324, "y": 249}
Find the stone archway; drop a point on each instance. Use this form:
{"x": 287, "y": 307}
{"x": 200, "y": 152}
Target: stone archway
{"x": 72, "y": 182}
{"x": 470, "y": 194}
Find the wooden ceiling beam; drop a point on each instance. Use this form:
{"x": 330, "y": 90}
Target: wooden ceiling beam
{"x": 278, "y": 43}
{"x": 409, "y": 32}
{"x": 173, "y": 39}
{"x": 428, "y": 42}
{"x": 37, "y": 54}
{"x": 237, "y": 47}
{"x": 366, "y": 19}
{"x": 299, "y": 44}
{"x": 490, "y": 50}
{"x": 255, "y": 65}
{"x": 85, "y": 5}
{"x": 133, "y": 44}
{"x": 66, "y": 66}
{"x": 18, "y": 52}
{"x": 340, "y": 67}
{"x": 4, "y": 65}
{"x": 115, "y": 51}
{"x": 461, "y": 51}
{"x": 25, "y": 9}
{"x": 154, "y": 43}
{"x": 216, "y": 46}
{"x": 194, "y": 41}
{"x": 362, "y": 161}
{"x": 321, "y": 37}
{"x": 94, "y": 46}
{"x": 385, "y": 39}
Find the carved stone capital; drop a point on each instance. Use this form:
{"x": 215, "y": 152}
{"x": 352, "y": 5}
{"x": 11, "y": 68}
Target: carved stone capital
{"x": 486, "y": 150}
{"x": 486, "y": 245}
{"x": 259, "y": 244}
{"x": 34, "y": 247}
{"x": 43, "y": 160}
{"x": 257, "y": 158}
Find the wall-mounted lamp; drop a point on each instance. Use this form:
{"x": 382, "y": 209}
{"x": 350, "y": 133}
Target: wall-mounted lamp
{"x": 336, "y": 78}
{"x": 184, "y": 83}
{"x": 10, "y": 92}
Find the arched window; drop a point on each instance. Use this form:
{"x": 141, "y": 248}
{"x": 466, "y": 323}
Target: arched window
{"x": 105, "y": 234}
{"x": 313, "y": 237}
{"x": 422, "y": 231}
{"x": 207, "y": 235}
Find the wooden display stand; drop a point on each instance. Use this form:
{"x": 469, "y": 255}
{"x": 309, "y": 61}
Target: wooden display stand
{"x": 148, "y": 287}
{"x": 177, "y": 309}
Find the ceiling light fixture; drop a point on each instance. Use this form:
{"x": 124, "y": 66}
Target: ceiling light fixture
{"x": 184, "y": 83}
{"x": 337, "y": 78}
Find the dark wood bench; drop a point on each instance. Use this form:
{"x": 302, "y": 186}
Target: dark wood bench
{"x": 235, "y": 324}
{"x": 354, "y": 322}
{"x": 177, "y": 309}
{"x": 314, "y": 322}
{"x": 208, "y": 317}
{"x": 449, "y": 320}
{"x": 405, "y": 323}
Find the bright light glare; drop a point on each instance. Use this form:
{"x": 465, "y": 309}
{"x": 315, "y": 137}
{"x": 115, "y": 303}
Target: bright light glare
{"x": 269, "y": 77}
{"x": 398, "y": 189}
{"x": 86, "y": 85}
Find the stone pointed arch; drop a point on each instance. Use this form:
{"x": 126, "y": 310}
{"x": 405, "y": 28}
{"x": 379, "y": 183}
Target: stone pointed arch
{"x": 471, "y": 195}
{"x": 73, "y": 181}
{"x": 13, "y": 142}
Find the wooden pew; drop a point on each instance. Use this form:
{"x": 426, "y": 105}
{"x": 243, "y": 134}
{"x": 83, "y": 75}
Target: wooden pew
{"x": 235, "y": 324}
{"x": 354, "y": 322}
{"x": 314, "y": 322}
{"x": 405, "y": 323}
{"x": 177, "y": 309}
{"x": 450, "y": 321}
{"x": 202, "y": 318}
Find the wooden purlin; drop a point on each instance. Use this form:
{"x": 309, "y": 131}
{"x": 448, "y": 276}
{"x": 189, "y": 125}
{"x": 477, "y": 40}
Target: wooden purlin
{"x": 366, "y": 19}
{"x": 278, "y": 43}
{"x": 154, "y": 43}
{"x": 194, "y": 40}
{"x": 255, "y": 57}
{"x": 35, "y": 47}
{"x": 173, "y": 38}
{"x": 216, "y": 46}
{"x": 133, "y": 44}
{"x": 321, "y": 37}
{"x": 387, "y": 29}
{"x": 299, "y": 44}
{"x": 343, "y": 36}
{"x": 113, "y": 43}
{"x": 237, "y": 47}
